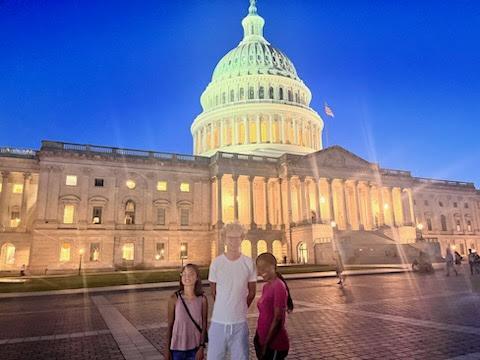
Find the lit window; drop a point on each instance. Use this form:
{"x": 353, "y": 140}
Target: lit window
{"x": 458, "y": 225}
{"x": 9, "y": 251}
{"x": 1, "y": 186}
{"x": 469, "y": 225}
{"x": 14, "y": 219}
{"x": 128, "y": 252}
{"x": 183, "y": 250}
{"x": 65, "y": 252}
{"x": 161, "y": 216}
{"x": 94, "y": 251}
{"x": 97, "y": 215}
{"x": 130, "y": 213}
{"x": 17, "y": 188}
{"x": 131, "y": 184}
{"x": 68, "y": 214}
{"x": 185, "y": 187}
{"x": 71, "y": 180}
{"x": 162, "y": 186}
{"x": 184, "y": 217}
{"x": 160, "y": 253}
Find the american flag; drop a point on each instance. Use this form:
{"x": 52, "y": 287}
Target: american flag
{"x": 329, "y": 111}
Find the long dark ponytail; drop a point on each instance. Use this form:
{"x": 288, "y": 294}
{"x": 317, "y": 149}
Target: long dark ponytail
{"x": 271, "y": 259}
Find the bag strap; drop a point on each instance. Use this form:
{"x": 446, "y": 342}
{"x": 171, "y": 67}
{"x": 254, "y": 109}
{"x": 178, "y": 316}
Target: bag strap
{"x": 188, "y": 312}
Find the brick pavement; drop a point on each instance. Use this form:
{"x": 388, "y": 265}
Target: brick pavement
{"x": 398, "y": 316}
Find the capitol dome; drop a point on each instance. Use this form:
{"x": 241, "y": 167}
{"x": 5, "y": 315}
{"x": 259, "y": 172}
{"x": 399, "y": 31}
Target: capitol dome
{"x": 254, "y": 58}
{"x": 256, "y": 103}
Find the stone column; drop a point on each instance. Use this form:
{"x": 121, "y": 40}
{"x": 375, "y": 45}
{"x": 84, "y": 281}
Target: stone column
{"x": 307, "y": 202}
{"x": 234, "y": 132}
{"x": 392, "y": 208}
{"x": 253, "y": 225}
{"x": 280, "y": 196}
{"x": 282, "y": 133}
{"x": 204, "y": 139}
{"x": 270, "y": 126}
{"x": 259, "y": 134}
{"x": 221, "y": 139}
{"x": 23, "y": 209}
{"x": 331, "y": 201}
{"x": 219, "y": 201}
{"x": 405, "y": 207}
{"x": 358, "y": 213}
{"x": 381, "y": 209}
{"x": 303, "y": 212}
{"x": 289, "y": 199}
{"x": 410, "y": 203}
{"x": 246, "y": 125}
{"x": 317, "y": 201}
{"x": 295, "y": 131}
{"x": 4, "y": 199}
{"x": 267, "y": 207}
{"x": 368, "y": 202}
{"x": 346, "y": 215}
{"x": 235, "y": 197}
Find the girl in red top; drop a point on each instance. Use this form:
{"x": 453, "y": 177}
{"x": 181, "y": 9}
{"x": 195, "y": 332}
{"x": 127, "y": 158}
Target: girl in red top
{"x": 271, "y": 339}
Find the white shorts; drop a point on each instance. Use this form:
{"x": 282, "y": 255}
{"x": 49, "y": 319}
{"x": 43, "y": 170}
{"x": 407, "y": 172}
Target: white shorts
{"x": 228, "y": 338}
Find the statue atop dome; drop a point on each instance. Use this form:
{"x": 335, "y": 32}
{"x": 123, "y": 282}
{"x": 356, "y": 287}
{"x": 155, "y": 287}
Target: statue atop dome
{"x": 252, "y": 9}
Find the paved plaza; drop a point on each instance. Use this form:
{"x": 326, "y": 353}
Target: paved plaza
{"x": 389, "y": 316}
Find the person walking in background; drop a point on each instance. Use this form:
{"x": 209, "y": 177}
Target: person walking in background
{"x": 187, "y": 318}
{"x": 471, "y": 260}
{"x": 449, "y": 261}
{"x": 232, "y": 279}
{"x": 339, "y": 268}
{"x": 271, "y": 338}
{"x": 458, "y": 262}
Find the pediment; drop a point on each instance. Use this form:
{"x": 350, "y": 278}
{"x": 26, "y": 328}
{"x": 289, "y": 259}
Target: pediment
{"x": 338, "y": 157}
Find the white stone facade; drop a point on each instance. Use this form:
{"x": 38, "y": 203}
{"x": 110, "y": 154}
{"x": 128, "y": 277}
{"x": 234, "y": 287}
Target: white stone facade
{"x": 287, "y": 205}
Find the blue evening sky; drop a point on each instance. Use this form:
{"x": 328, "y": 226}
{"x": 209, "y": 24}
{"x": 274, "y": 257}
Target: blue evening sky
{"x": 403, "y": 77}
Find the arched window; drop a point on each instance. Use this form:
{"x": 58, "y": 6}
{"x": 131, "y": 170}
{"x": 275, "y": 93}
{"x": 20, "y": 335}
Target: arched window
{"x": 232, "y": 96}
{"x": 280, "y": 93}
{"x": 250, "y": 92}
{"x": 296, "y": 98}
{"x": 241, "y": 95}
{"x": 261, "y": 247}
{"x": 130, "y": 212}
{"x": 224, "y": 100}
{"x": 277, "y": 250}
{"x": 246, "y": 248}
{"x": 261, "y": 92}
{"x": 429, "y": 224}
{"x": 290, "y": 97}
{"x": 443, "y": 221}
{"x": 469, "y": 225}
{"x": 271, "y": 93}
{"x": 8, "y": 254}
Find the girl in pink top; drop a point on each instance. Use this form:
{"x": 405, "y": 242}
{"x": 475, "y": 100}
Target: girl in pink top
{"x": 187, "y": 318}
{"x": 271, "y": 340}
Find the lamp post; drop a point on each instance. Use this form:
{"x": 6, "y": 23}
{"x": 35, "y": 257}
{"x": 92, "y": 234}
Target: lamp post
{"x": 80, "y": 252}
{"x": 419, "y": 231}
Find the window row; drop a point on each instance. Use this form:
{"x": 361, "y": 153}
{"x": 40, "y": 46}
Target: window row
{"x": 262, "y": 92}
{"x": 442, "y": 204}
{"x": 128, "y": 252}
{"x": 444, "y": 226}
{"x": 69, "y": 211}
{"x": 16, "y": 188}
{"x": 162, "y": 185}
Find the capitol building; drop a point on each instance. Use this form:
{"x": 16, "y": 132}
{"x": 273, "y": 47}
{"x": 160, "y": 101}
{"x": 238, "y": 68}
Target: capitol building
{"x": 258, "y": 159}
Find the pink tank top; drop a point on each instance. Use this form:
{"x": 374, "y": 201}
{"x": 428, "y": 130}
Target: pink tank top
{"x": 185, "y": 335}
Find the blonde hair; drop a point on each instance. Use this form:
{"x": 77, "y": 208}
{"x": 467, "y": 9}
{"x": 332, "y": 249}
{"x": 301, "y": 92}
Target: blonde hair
{"x": 235, "y": 229}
